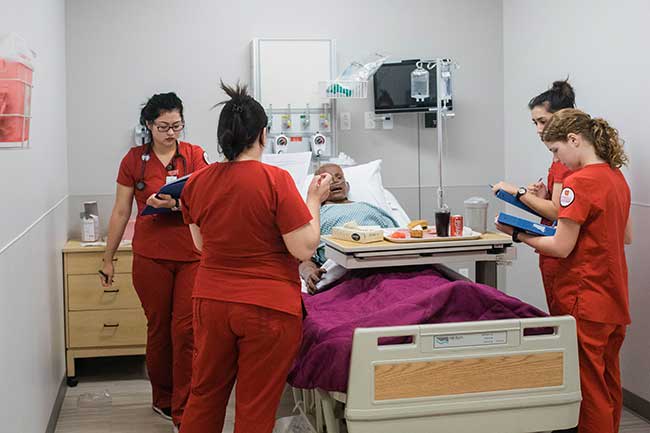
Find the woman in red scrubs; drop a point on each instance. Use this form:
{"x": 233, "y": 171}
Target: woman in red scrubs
{"x": 545, "y": 199}
{"x": 253, "y": 227}
{"x": 591, "y": 284}
{"x": 164, "y": 258}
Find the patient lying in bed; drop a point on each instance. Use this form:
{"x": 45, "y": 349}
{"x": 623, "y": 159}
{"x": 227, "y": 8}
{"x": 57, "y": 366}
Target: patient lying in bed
{"x": 387, "y": 297}
{"x": 337, "y": 210}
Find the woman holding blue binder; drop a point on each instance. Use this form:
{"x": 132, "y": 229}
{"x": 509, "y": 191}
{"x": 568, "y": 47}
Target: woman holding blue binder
{"x": 545, "y": 200}
{"x": 164, "y": 258}
{"x": 591, "y": 283}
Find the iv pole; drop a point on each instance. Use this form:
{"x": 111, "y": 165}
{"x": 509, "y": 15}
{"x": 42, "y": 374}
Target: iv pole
{"x": 443, "y": 74}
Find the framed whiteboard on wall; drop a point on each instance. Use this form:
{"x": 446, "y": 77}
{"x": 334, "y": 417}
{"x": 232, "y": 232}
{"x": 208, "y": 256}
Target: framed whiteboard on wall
{"x": 287, "y": 71}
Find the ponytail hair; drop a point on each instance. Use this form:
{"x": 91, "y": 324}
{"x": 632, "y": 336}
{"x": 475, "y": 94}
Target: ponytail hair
{"x": 558, "y": 97}
{"x": 241, "y": 122}
{"x": 604, "y": 138}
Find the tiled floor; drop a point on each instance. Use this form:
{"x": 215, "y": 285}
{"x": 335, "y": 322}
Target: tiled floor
{"x": 130, "y": 409}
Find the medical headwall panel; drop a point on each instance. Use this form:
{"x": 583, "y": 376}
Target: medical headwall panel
{"x": 285, "y": 79}
{"x": 287, "y": 71}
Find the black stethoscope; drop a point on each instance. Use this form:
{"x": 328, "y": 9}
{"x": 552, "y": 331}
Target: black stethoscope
{"x": 140, "y": 184}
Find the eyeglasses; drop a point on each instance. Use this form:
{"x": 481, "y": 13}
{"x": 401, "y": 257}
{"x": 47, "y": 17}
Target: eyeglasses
{"x": 176, "y": 127}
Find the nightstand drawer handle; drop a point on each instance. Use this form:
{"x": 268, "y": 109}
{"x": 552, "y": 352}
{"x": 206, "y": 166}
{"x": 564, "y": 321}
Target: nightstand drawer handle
{"x": 111, "y": 326}
{"x": 112, "y": 291}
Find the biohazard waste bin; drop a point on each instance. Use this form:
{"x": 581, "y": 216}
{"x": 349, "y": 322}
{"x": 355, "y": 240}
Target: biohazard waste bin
{"x": 16, "y": 73}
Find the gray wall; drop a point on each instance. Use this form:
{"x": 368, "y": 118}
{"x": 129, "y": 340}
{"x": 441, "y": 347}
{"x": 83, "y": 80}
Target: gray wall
{"x": 188, "y": 47}
{"x": 33, "y": 229}
{"x": 602, "y": 47}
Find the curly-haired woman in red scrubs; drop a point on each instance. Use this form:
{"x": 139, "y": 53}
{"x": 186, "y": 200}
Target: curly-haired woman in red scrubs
{"x": 591, "y": 283}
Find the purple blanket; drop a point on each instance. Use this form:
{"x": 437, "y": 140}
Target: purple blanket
{"x": 387, "y": 299}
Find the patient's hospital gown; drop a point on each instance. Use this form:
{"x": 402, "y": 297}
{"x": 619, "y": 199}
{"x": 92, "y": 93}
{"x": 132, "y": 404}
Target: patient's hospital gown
{"x": 365, "y": 214}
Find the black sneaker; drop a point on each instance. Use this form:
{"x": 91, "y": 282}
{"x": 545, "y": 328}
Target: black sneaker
{"x": 165, "y": 412}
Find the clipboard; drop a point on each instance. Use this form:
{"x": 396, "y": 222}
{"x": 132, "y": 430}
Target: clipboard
{"x": 524, "y": 225}
{"x": 511, "y": 199}
{"x": 174, "y": 189}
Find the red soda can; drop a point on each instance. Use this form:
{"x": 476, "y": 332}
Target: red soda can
{"x": 456, "y": 225}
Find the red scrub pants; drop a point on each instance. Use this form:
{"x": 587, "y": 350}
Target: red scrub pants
{"x": 165, "y": 291}
{"x": 599, "y": 345}
{"x": 252, "y": 344}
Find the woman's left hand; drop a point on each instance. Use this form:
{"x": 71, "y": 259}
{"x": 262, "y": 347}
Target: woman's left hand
{"x": 161, "y": 201}
{"x": 504, "y": 186}
{"x": 502, "y": 227}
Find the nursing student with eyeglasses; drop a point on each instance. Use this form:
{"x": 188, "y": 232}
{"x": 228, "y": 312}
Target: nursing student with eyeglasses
{"x": 165, "y": 260}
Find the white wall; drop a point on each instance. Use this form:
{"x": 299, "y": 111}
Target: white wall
{"x": 34, "y": 195}
{"x": 119, "y": 56}
{"x": 602, "y": 47}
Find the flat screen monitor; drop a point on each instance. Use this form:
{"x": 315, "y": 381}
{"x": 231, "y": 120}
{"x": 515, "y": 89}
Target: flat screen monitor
{"x": 392, "y": 86}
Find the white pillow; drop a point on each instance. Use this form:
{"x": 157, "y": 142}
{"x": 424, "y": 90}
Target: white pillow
{"x": 365, "y": 184}
{"x": 396, "y": 210}
{"x": 296, "y": 163}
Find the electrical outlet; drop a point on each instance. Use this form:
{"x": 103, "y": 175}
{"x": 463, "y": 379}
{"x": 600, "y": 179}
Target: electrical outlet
{"x": 346, "y": 121}
{"x": 464, "y": 272}
{"x": 370, "y": 120}
{"x": 387, "y": 122}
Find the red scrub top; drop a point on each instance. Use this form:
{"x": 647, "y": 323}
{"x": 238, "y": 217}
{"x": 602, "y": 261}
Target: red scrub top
{"x": 550, "y": 265}
{"x": 557, "y": 172}
{"x": 163, "y": 236}
{"x": 592, "y": 282}
{"x": 243, "y": 208}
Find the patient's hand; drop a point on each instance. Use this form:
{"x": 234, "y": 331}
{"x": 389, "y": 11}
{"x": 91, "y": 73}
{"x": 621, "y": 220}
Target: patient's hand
{"x": 314, "y": 278}
{"x": 312, "y": 274}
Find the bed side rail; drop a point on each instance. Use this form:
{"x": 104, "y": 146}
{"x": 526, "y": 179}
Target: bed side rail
{"x": 461, "y": 368}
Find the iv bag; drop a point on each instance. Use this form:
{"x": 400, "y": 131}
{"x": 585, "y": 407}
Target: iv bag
{"x": 364, "y": 69}
{"x": 419, "y": 83}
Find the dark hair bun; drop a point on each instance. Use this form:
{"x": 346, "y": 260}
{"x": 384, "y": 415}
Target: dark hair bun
{"x": 558, "y": 97}
{"x": 241, "y": 121}
{"x": 564, "y": 89}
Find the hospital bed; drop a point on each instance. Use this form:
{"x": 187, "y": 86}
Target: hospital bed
{"x": 487, "y": 376}
{"x": 495, "y": 376}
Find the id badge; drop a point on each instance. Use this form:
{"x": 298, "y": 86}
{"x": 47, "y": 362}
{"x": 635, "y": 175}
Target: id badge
{"x": 170, "y": 179}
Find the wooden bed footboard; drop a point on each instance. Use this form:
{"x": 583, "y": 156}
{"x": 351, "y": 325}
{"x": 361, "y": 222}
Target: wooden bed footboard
{"x": 489, "y": 376}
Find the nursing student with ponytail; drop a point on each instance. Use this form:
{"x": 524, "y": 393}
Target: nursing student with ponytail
{"x": 252, "y": 227}
{"x": 545, "y": 199}
{"x": 591, "y": 283}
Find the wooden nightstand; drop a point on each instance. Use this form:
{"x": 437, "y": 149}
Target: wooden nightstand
{"x": 100, "y": 321}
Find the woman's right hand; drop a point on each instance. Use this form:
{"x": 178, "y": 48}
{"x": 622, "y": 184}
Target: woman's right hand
{"x": 538, "y": 189}
{"x": 319, "y": 188}
{"x": 108, "y": 271}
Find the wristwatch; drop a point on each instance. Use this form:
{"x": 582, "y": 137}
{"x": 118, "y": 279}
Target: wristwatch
{"x": 177, "y": 205}
{"x": 515, "y": 235}
{"x": 521, "y": 191}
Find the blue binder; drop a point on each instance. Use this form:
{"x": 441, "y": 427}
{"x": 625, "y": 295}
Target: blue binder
{"x": 525, "y": 225}
{"x": 509, "y": 198}
{"x": 174, "y": 189}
